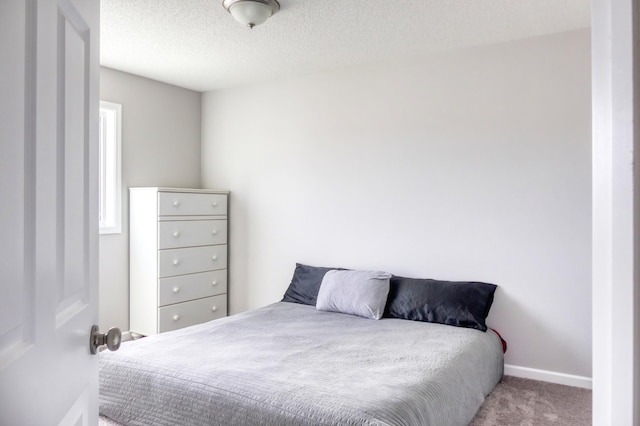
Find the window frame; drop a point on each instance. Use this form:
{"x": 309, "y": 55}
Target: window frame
{"x": 110, "y": 171}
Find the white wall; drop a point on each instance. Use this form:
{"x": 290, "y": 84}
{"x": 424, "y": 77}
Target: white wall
{"x": 160, "y": 147}
{"x": 470, "y": 165}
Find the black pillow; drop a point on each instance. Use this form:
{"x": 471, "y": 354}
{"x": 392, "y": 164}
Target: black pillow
{"x": 463, "y": 304}
{"x": 305, "y": 284}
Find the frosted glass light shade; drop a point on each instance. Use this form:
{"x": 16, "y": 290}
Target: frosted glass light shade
{"x": 251, "y": 12}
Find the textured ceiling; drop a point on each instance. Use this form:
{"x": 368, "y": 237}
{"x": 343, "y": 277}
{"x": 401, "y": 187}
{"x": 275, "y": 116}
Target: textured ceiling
{"x": 196, "y": 44}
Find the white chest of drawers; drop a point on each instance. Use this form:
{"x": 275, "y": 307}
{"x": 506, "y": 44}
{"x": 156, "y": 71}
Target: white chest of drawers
{"x": 178, "y": 258}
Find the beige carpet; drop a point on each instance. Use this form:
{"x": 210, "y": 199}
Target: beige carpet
{"x": 522, "y": 402}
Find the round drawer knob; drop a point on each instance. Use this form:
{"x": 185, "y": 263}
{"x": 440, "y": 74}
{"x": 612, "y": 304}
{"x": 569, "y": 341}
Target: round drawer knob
{"x": 176, "y": 317}
{"x": 214, "y": 232}
{"x": 176, "y": 262}
{"x": 214, "y": 257}
{"x": 176, "y": 290}
{"x": 214, "y": 308}
{"x": 176, "y": 203}
{"x": 214, "y": 204}
{"x": 176, "y": 234}
{"x": 214, "y": 282}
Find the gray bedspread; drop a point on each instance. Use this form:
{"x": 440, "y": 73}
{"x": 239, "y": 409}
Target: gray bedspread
{"x": 288, "y": 364}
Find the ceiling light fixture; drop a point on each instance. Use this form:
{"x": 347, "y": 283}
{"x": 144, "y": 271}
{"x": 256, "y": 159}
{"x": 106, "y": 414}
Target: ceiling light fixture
{"x": 251, "y": 12}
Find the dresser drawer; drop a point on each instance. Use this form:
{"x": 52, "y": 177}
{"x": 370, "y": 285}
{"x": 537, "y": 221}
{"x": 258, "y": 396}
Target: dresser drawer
{"x": 193, "y": 286}
{"x": 172, "y": 262}
{"x": 183, "y": 203}
{"x": 189, "y": 233}
{"x": 184, "y": 314}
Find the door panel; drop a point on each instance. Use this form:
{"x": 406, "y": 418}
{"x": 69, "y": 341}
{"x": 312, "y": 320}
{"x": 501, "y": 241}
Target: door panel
{"x": 16, "y": 125}
{"x": 72, "y": 176}
{"x": 48, "y": 184}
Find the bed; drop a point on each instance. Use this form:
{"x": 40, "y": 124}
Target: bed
{"x": 291, "y": 363}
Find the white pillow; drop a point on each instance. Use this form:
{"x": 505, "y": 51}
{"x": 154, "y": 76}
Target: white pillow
{"x": 362, "y": 293}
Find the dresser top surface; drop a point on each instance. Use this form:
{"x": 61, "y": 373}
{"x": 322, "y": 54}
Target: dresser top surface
{"x": 167, "y": 189}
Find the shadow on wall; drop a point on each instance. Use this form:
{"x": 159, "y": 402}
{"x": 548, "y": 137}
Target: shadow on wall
{"x": 239, "y": 258}
{"x": 543, "y": 330}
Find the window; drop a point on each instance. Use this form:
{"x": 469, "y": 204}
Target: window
{"x": 109, "y": 153}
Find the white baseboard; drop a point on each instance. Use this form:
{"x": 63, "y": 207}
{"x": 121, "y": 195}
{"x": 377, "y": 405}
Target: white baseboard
{"x": 126, "y": 335}
{"x": 548, "y": 376}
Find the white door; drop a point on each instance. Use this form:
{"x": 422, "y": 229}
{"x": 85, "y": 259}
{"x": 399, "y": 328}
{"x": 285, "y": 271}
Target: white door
{"x": 48, "y": 211}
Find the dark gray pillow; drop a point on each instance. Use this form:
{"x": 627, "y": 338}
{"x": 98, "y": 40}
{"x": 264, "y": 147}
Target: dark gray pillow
{"x": 305, "y": 284}
{"x": 463, "y": 304}
{"x": 361, "y": 293}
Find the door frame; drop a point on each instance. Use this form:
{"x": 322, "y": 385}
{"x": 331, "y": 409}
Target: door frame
{"x": 616, "y": 206}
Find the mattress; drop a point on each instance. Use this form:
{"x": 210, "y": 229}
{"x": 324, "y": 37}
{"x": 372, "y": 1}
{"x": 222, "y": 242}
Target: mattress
{"x": 289, "y": 364}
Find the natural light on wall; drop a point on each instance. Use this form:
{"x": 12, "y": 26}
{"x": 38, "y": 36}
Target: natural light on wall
{"x": 110, "y": 135}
